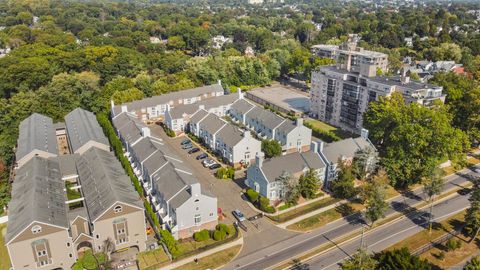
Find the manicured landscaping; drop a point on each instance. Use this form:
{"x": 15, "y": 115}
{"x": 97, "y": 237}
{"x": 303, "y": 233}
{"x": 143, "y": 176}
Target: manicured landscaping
{"x": 297, "y": 211}
{"x": 73, "y": 194}
{"x": 153, "y": 259}
{"x": 89, "y": 261}
{"x": 206, "y": 238}
{"x": 212, "y": 261}
{"x": 4, "y": 258}
{"x": 326, "y": 132}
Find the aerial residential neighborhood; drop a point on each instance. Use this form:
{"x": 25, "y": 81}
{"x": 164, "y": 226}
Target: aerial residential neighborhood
{"x": 239, "y": 135}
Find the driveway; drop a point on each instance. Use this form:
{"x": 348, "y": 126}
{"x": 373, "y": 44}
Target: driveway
{"x": 261, "y": 232}
{"x": 125, "y": 260}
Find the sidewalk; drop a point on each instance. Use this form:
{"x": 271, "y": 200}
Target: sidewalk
{"x": 174, "y": 265}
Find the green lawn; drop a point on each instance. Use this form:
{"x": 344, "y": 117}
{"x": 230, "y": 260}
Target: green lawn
{"x": 213, "y": 261}
{"x": 322, "y": 130}
{"x": 4, "y": 259}
{"x": 321, "y": 125}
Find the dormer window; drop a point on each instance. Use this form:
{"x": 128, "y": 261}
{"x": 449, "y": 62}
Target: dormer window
{"x": 36, "y": 229}
{"x": 118, "y": 209}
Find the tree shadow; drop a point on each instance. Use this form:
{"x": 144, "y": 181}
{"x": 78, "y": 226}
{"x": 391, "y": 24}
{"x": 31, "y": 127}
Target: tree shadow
{"x": 411, "y": 195}
{"x": 297, "y": 265}
{"x": 350, "y": 214}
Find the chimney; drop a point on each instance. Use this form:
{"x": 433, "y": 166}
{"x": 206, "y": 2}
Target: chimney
{"x": 404, "y": 77}
{"x": 239, "y": 92}
{"x": 364, "y": 133}
{"x": 201, "y": 107}
{"x": 219, "y": 82}
{"x": 314, "y": 146}
{"x": 145, "y": 132}
{"x": 247, "y": 134}
{"x": 195, "y": 189}
{"x": 168, "y": 107}
{"x": 112, "y": 104}
{"x": 259, "y": 159}
{"x": 299, "y": 122}
{"x": 124, "y": 108}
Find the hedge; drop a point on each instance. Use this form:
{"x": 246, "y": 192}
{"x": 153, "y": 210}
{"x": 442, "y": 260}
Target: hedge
{"x": 265, "y": 205}
{"x": 169, "y": 241}
{"x": 324, "y": 135}
{"x": 201, "y": 236}
{"x": 219, "y": 235}
{"x": 230, "y": 230}
{"x": 252, "y": 195}
{"x": 169, "y": 132}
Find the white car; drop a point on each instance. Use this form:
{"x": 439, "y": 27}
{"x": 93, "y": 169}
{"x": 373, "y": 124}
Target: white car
{"x": 208, "y": 162}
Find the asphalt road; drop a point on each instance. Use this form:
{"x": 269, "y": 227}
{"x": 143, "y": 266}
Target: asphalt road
{"x": 293, "y": 246}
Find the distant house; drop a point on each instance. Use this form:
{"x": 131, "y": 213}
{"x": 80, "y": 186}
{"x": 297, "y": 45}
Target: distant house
{"x": 154, "y": 108}
{"x": 219, "y": 41}
{"x": 263, "y": 175}
{"x": 292, "y": 135}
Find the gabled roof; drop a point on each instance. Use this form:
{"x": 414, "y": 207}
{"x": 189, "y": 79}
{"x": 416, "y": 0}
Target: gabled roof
{"x": 242, "y": 106}
{"x": 178, "y": 111}
{"x": 37, "y": 195}
{"x": 104, "y": 182}
{"x": 345, "y": 148}
{"x": 212, "y": 123}
{"x": 287, "y": 126}
{"x": 292, "y": 163}
{"x": 82, "y": 127}
{"x": 36, "y": 132}
{"x": 230, "y": 135}
{"x": 166, "y": 98}
{"x": 198, "y": 116}
{"x": 266, "y": 117}
{"x": 129, "y": 126}
{"x": 145, "y": 148}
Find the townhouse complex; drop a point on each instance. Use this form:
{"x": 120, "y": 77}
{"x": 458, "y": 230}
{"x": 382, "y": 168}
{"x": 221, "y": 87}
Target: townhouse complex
{"x": 154, "y": 108}
{"x": 340, "y": 95}
{"x": 177, "y": 197}
{"x": 352, "y": 55}
{"x": 69, "y": 194}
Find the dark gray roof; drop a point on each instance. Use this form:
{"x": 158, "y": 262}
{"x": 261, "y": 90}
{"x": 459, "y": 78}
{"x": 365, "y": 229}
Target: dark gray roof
{"x": 198, "y": 116}
{"x": 82, "y": 127}
{"x": 287, "y": 126}
{"x": 179, "y": 111}
{"x": 37, "y": 195}
{"x": 145, "y": 148}
{"x": 242, "y": 106}
{"x": 292, "y": 163}
{"x": 166, "y": 98}
{"x": 266, "y": 117}
{"x": 212, "y": 123}
{"x": 209, "y": 103}
{"x": 230, "y": 135}
{"x": 344, "y": 148}
{"x": 173, "y": 178}
{"x": 104, "y": 182}
{"x": 80, "y": 211}
{"x": 67, "y": 164}
{"x": 36, "y": 132}
{"x": 129, "y": 126}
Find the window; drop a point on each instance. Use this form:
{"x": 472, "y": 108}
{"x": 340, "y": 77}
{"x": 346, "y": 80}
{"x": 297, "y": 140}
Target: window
{"x": 117, "y": 209}
{"x": 36, "y": 229}
{"x": 68, "y": 244}
{"x": 198, "y": 218}
{"x": 70, "y": 255}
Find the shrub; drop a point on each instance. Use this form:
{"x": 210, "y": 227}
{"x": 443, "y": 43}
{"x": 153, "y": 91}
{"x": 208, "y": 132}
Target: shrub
{"x": 169, "y": 241}
{"x": 225, "y": 173}
{"x": 221, "y": 227}
{"x": 453, "y": 244}
{"x": 252, "y": 195}
{"x": 231, "y": 230}
{"x": 265, "y": 205}
{"x": 219, "y": 235}
{"x": 202, "y": 235}
{"x": 324, "y": 135}
{"x": 441, "y": 255}
{"x": 168, "y": 131}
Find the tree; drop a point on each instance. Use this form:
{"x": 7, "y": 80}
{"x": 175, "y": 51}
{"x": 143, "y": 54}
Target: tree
{"x": 127, "y": 95}
{"x": 413, "y": 139}
{"x": 343, "y": 186}
{"x": 360, "y": 261}
{"x": 271, "y": 148}
{"x": 309, "y": 184}
{"x": 473, "y": 264}
{"x": 289, "y": 187}
{"x": 365, "y": 162}
{"x": 401, "y": 259}
{"x": 432, "y": 186}
{"x": 374, "y": 196}
{"x": 472, "y": 216}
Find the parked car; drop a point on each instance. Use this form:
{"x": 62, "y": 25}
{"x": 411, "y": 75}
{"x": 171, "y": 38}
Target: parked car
{"x": 193, "y": 150}
{"x": 186, "y": 141}
{"x": 214, "y": 166}
{"x": 238, "y": 215}
{"x": 208, "y": 162}
{"x": 187, "y": 146}
{"x": 202, "y": 156}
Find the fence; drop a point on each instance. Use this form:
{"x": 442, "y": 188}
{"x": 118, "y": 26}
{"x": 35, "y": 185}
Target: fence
{"x": 437, "y": 241}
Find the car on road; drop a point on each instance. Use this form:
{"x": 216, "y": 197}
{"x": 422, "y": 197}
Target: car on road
{"x": 238, "y": 215}
{"x": 193, "y": 150}
{"x": 202, "y": 156}
{"x": 187, "y": 146}
{"x": 215, "y": 166}
{"x": 186, "y": 141}
{"x": 207, "y": 163}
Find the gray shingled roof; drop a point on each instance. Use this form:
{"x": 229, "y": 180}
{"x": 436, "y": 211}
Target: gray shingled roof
{"x": 198, "y": 116}
{"x": 179, "y": 111}
{"x": 212, "y": 123}
{"x": 242, "y": 106}
{"x": 287, "y": 126}
{"x": 266, "y": 117}
{"x": 230, "y": 135}
{"x": 166, "y": 98}
{"x": 37, "y": 195}
{"x": 67, "y": 164}
{"x": 129, "y": 126}
{"x": 145, "y": 148}
{"x": 82, "y": 127}
{"x": 209, "y": 103}
{"x": 173, "y": 178}
{"x": 292, "y": 163}
{"x": 104, "y": 182}
{"x": 344, "y": 148}
{"x": 36, "y": 132}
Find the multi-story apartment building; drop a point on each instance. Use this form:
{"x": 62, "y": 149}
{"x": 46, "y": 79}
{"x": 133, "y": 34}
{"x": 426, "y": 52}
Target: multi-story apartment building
{"x": 63, "y": 205}
{"x": 237, "y": 147}
{"x": 293, "y": 136}
{"x": 178, "y": 200}
{"x": 349, "y": 54}
{"x": 154, "y": 108}
{"x": 177, "y": 118}
{"x": 341, "y": 96}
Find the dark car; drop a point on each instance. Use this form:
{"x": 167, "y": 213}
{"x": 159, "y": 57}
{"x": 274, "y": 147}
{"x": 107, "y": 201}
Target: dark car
{"x": 215, "y": 166}
{"x": 186, "y": 141}
{"x": 187, "y": 146}
{"x": 202, "y": 156}
{"x": 194, "y": 150}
